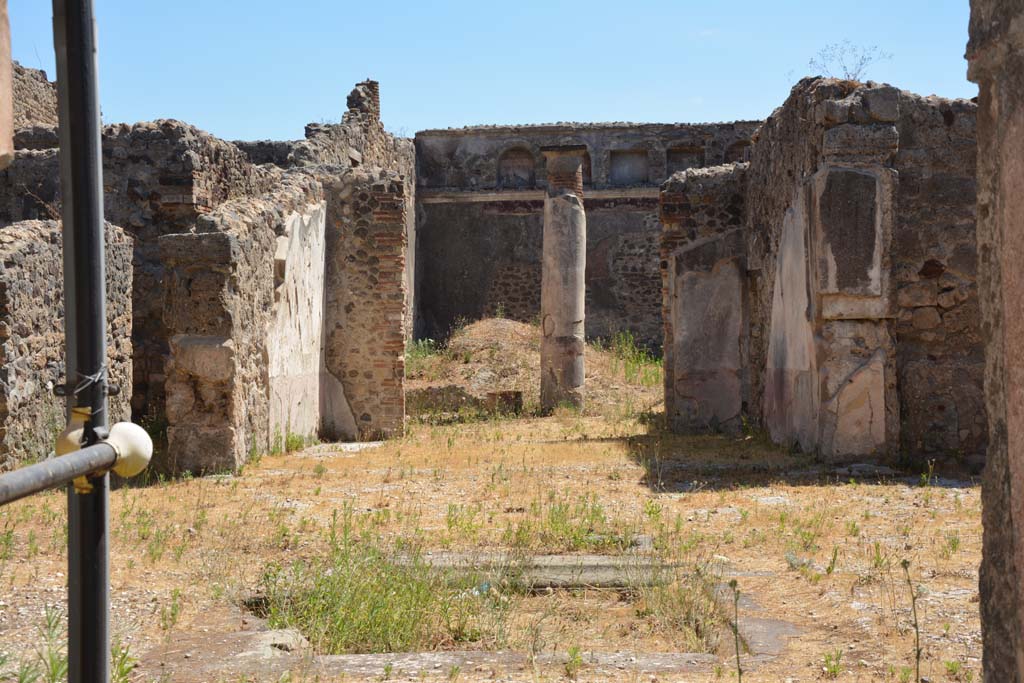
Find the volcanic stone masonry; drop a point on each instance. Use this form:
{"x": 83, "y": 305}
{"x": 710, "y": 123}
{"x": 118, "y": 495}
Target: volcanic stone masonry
{"x": 270, "y": 304}
{"x": 995, "y": 55}
{"x": 826, "y": 290}
{"x": 563, "y": 292}
{"x": 819, "y": 282}
{"x": 32, "y": 335}
{"x": 480, "y": 207}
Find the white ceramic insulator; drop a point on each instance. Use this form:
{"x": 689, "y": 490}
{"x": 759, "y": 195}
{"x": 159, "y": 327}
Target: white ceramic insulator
{"x": 133, "y": 446}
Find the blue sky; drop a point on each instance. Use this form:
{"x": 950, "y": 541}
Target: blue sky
{"x": 262, "y": 68}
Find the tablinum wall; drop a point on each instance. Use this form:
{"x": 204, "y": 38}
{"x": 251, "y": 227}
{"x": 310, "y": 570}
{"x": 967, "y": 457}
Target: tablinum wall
{"x": 479, "y": 218}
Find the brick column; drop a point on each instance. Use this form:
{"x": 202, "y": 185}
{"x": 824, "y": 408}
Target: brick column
{"x": 562, "y": 280}
{"x": 996, "y": 57}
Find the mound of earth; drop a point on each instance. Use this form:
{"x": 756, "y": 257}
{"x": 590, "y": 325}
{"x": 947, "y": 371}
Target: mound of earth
{"x": 499, "y": 355}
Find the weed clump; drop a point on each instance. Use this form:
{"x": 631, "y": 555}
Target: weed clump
{"x": 365, "y": 597}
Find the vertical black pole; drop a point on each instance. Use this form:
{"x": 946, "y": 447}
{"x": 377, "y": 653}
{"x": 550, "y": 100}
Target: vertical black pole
{"x": 84, "y": 286}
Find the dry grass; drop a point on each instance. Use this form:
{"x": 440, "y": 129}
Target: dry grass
{"x": 504, "y": 355}
{"x": 810, "y": 545}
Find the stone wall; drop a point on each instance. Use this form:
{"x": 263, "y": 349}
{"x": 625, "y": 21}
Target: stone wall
{"x": 366, "y": 322}
{"x": 996, "y": 58}
{"x": 479, "y": 209}
{"x": 32, "y": 335}
{"x": 703, "y": 307}
{"x": 940, "y": 351}
{"x": 286, "y": 316}
{"x": 243, "y": 314}
{"x": 860, "y": 288}
{"x": 35, "y": 99}
{"x": 159, "y": 177}
{"x": 358, "y": 141}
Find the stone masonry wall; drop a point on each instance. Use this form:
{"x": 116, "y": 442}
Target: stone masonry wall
{"x": 877, "y": 331}
{"x": 35, "y": 98}
{"x": 940, "y": 351}
{"x": 480, "y": 202}
{"x": 32, "y": 336}
{"x": 996, "y": 57}
{"x": 860, "y": 294}
{"x": 220, "y": 312}
{"x": 365, "y": 315}
{"x": 360, "y": 140}
{"x": 159, "y": 177}
{"x": 703, "y": 270}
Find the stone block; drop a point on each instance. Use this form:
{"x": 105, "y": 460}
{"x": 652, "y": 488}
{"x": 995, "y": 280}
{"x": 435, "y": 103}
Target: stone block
{"x": 858, "y": 412}
{"x": 210, "y": 359}
{"x": 916, "y": 294}
{"x": 882, "y": 103}
{"x": 203, "y": 449}
{"x": 926, "y": 318}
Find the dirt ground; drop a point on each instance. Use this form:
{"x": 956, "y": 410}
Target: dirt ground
{"x": 188, "y": 549}
{"x": 816, "y": 552}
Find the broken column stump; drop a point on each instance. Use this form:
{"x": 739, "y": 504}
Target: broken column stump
{"x": 562, "y": 281}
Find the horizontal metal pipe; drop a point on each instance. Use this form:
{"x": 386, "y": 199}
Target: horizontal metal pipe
{"x": 55, "y": 472}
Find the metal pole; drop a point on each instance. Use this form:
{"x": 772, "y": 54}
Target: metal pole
{"x": 55, "y": 472}
{"x": 84, "y": 286}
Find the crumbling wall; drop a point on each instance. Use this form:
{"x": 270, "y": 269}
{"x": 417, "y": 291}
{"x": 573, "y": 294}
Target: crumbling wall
{"x": 996, "y": 58}
{"x": 359, "y": 141}
{"x": 480, "y": 202}
{"x": 878, "y": 182}
{"x": 703, "y": 269}
{"x": 236, "y": 384}
{"x": 30, "y": 187}
{"x": 365, "y": 317}
{"x": 32, "y": 335}
{"x": 159, "y": 177}
{"x": 238, "y": 301}
{"x": 859, "y": 250}
{"x": 35, "y": 99}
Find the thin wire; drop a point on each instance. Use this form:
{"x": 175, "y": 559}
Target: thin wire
{"x": 87, "y": 381}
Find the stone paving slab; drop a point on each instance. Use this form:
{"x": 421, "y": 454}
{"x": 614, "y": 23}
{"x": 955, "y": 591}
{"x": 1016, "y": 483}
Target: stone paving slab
{"x": 237, "y": 644}
{"x": 541, "y": 572}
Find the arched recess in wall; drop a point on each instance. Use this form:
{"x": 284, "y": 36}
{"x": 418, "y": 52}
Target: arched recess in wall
{"x": 738, "y": 151}
{"x": 682, "y": 157}
{"x": 587, "y": 172}
{"x": 516, "y": 168}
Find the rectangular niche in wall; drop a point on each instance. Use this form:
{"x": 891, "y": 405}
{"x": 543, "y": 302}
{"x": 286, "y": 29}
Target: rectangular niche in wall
{"x": 852, "y": 232}
{"x": 684, "y": 157}
{"x": 629, "y": 167}
{"x": 849, "y": 234}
